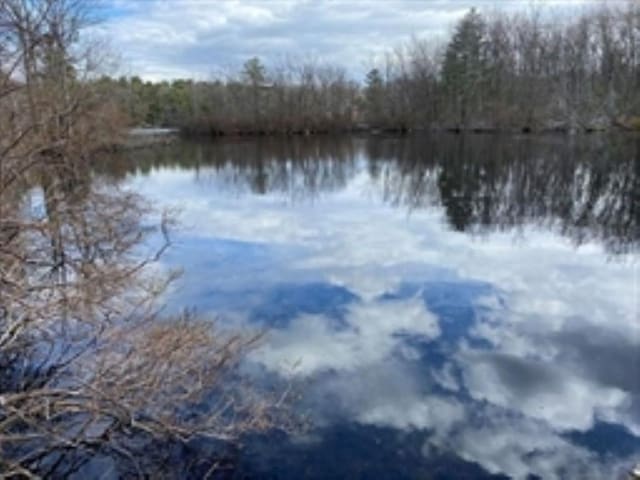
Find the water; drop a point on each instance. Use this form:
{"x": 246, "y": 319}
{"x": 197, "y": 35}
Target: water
{"x": 449, "y": 307}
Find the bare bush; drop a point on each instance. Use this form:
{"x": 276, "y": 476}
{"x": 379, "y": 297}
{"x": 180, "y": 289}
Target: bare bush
{"x": 86, "y": 365}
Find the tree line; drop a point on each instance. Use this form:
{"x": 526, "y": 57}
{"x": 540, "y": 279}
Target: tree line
{"x": 293, "y": 98}
{"x": 524, "y": 72}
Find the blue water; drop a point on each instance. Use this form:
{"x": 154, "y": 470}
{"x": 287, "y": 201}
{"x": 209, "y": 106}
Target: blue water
{"x": 449, "y": 308}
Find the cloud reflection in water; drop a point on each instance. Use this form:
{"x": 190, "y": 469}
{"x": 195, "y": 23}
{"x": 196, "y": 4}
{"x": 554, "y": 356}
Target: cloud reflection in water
{"x": 512, "y": 348}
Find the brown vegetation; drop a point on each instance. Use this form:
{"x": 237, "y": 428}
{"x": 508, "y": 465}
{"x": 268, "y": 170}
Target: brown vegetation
{"x": 86, "y": 365}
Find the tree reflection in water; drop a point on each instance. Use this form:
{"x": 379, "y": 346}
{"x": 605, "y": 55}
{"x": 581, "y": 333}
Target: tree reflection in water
{"x": 586, "y": 188}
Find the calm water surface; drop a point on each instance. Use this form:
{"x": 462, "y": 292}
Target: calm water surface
{"x": 449, "y": 307}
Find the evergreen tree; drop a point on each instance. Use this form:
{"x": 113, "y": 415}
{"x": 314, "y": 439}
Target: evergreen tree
{"x": 253, "y": 72}
{"x": 374, "y": 96}
{"x": 464, "y": 65}
{"x": 254, "y": 75}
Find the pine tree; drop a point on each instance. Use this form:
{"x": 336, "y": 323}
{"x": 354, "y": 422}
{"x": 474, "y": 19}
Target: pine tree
{"x": 464, "y": 65}
{"x": 374, "y": 96}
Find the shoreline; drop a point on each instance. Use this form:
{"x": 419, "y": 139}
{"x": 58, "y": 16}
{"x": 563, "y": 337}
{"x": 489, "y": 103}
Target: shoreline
{"x": 405, "y": 132}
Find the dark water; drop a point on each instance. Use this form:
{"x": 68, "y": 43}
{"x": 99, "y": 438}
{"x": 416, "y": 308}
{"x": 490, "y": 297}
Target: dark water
{"x": 449, "y": 307}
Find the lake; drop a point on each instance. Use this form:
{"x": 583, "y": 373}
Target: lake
{"x": 445, "y": 306}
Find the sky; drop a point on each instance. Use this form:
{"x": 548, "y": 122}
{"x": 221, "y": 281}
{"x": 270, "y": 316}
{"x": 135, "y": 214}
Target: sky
{"x": 201, "y": 39}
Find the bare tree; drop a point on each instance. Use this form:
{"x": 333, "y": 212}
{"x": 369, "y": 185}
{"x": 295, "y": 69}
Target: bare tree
{"x": 86, "y": 364}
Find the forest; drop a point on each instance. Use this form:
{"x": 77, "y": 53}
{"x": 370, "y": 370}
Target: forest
{"x": 583, "y": 72}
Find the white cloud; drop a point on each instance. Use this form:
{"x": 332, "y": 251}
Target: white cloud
{"x": 520, "y": 448}
{"x": 370, "y": 337}
{"x": 543, "y": 391}
{"x": 193, "y": 38}
{"x": 427, "y": 412}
